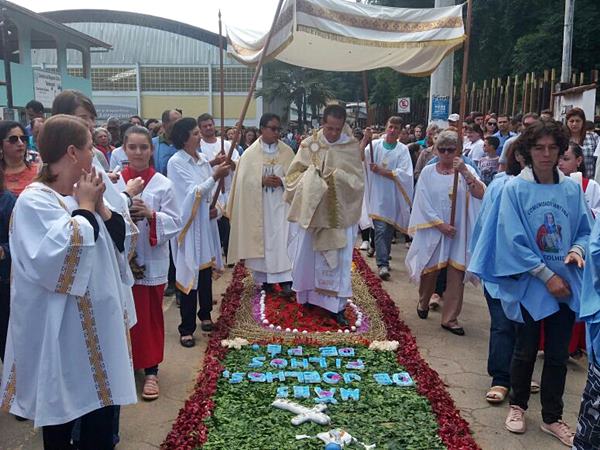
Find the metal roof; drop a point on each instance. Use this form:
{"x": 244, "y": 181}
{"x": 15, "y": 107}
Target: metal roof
{"x": 139, "y": 38}
{"x": 35, "y": 17}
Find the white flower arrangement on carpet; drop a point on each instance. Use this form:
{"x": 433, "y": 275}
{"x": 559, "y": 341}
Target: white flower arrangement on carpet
{"x": 236, "y": 343}
{"x": 384, "y": 346}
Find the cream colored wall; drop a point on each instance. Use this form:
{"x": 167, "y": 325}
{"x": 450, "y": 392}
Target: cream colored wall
{"x": 193, "y": 106}
{"x": 233, "y": 107}
{"x": 154, "y": 105}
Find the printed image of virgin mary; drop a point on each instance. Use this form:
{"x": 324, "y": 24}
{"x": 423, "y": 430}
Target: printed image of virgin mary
{"x": 549, "y": 237}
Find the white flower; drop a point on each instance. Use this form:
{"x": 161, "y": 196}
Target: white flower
{"x": 385, "y": 346}
{"x": 236, "y": 343}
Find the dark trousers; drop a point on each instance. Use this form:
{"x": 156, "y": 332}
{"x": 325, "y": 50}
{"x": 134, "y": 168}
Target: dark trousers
{"x": 588, "y": 426}
{"x": 223, "y": 224}
{"x": 558, "y": 328}
{"x": 188, "y": 303}
{"x": 502, "y": 343}
{"x": 4, "y": 314}
{"x": 440, "y": 284}
{"x": 171, "y": 275}
{"x": 96, "y": 432}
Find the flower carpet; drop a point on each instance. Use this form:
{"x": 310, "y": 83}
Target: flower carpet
{"x": 278, "y": 375}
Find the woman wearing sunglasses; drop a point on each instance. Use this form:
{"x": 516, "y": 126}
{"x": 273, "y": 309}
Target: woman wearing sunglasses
{"x": 18, "y": 172}
{"x": 437, "y": 244}
{"x": 491, "y": 127}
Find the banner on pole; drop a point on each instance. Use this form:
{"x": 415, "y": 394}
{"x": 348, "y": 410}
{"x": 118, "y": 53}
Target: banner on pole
{"x": 404, "y": 105}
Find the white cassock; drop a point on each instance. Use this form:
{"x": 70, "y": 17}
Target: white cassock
{"x": 211, "y": 151}
{"x": 197, "y": 246}
{"x": 159, "y": 196}
{"x": 315, "y": 280}
{"x": 390, "y": 200}
{"x": 68, "y": 350}
{"x": 430, "y": 250}
{"x": 275, "y": 267}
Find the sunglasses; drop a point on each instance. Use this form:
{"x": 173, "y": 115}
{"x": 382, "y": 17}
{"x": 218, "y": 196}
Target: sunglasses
{"x": 15, "y": 139}
{"x": 446, "y": 150}
{"x": 491, "y": 123}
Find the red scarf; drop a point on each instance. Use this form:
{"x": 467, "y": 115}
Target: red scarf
{"x": 129, "y": 172}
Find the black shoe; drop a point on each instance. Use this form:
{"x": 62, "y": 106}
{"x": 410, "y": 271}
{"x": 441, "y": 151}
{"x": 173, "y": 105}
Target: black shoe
{"x": 286, "y": 289}
{"x": 267, "y": 287}
{"x": 20, "y": 419}
{"x": 340, "y": 318}
{"x": 371, "y": 252}
{"x": 206, "y": 325}
{"x": 170, "y": 290}
{"x": 422, "y": 314}
{"x": 459, "y": 331}
{"x": 188, "y": 343}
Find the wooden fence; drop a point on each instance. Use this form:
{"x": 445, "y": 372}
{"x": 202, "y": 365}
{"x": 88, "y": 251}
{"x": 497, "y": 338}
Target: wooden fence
{"x": 531, "y": 92}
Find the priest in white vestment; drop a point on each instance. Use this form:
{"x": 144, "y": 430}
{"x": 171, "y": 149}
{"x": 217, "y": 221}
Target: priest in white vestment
{"x": 257, "y": 210}
{"x": 325, "y": 186}
{"x": 389, "y": 189}
{"x": 67, "y": 354}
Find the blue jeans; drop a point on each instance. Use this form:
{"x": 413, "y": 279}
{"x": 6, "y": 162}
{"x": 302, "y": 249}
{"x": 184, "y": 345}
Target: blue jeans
{"x": 384, "y": 233}
{"x": 502, "y": 342}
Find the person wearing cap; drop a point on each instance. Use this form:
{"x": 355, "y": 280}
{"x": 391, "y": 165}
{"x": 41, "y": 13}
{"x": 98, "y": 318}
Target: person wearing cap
{"x": 453, "y": 120}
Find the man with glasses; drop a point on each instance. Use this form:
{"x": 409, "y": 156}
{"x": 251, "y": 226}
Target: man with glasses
{"x": 527, "y": 120}
{"x": 504, "y": 132}
{"x": 257, "y": 210}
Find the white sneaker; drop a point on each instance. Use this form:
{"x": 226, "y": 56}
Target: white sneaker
{"x": 364, "y": 245}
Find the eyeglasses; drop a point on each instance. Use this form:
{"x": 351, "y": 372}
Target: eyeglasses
{"x": 491, "y": 123}
{"x": 446, "y": 150}
{"x": 15, "y": 139}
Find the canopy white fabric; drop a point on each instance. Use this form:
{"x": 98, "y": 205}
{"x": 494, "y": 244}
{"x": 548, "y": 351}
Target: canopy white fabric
{"x": 339, "y": 35}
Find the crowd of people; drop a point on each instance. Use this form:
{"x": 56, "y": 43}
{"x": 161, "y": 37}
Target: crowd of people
{"x": 123, "y": 214}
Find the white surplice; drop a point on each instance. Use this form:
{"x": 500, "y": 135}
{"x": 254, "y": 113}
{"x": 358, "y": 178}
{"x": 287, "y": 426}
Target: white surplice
{"x": 68, "y": 349}
{"x": 158, "y": 195}
{"x": 390, "y": 200}
{"x": 276, "y": 266}
{"x": 430, "y": 250}
{"x": 316, "y": 281}
{"x": 197, "y": 246}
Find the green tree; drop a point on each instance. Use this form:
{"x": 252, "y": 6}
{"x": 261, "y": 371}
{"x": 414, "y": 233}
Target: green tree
{"x": 302, "y": 87}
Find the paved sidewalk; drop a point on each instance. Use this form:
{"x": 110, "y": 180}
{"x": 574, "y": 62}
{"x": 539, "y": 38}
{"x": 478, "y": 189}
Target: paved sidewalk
{"x": 460, "y": 361}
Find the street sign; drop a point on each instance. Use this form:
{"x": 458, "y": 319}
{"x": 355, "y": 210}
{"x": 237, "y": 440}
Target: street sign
{"x": 404, "y": 105}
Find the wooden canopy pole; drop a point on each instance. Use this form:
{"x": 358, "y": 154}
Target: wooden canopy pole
{"x": 238, "y": 128}
{"x": 463, "y": 103}
{"x": 366, "y": 95}
{"x": 222, "y": 83}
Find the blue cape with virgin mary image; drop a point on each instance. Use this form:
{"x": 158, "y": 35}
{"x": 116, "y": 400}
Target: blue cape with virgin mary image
{"x": 530, "y": 224}
{"x": 590, "y": 295}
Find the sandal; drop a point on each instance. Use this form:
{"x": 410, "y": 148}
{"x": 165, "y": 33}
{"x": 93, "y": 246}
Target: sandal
{"x": 206, "y": 325}
{"x": 150, "y": 391}
{"x": 496, "y": 394}
{"x": 534, "y": 388}
{"x": 434, "y": 302}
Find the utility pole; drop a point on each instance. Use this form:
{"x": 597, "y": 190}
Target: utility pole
{"x": 565, "y": 73}
{"x": 440, "y": 87}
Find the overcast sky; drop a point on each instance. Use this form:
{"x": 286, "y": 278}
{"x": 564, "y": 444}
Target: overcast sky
{"x": 252, "y": 14}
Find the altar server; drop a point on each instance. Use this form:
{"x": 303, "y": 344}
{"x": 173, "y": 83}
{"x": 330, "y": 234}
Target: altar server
{"x": 67, "y": 352}
{"x": 158, "y": 219}
{"x": 437, "y": 244}
{"x": 196, "y": 249}
{"x": 389, "y": 186}
{"x": 257, "y": 210}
